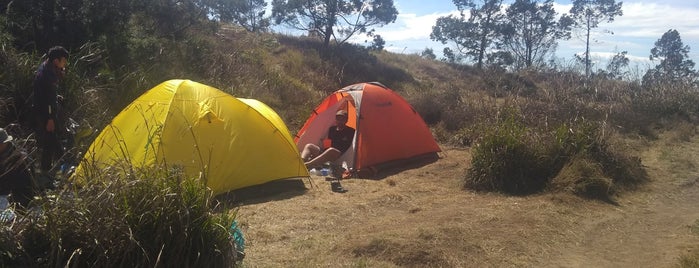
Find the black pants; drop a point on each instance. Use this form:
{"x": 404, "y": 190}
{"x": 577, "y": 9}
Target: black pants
{"x": 51, "y": 149}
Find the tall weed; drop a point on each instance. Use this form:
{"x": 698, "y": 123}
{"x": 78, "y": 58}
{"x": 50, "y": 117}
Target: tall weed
{"x": 149, "y": 218}
{"x": 505, "y": 160}
{"x": 594, "y": 167}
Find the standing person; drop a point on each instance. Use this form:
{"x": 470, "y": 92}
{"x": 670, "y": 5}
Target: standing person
{"x": 46, "y": 113}
{"x": 340, "y": 136}
{"x": 15, "y": 175}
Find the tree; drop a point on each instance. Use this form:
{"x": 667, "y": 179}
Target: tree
{"x": 530, "y": 32}
{"x": 675, "y": 66}
{"x": 450, "y": 56}
{"x": 587, "y": 15}
{"x": 171, "y": 19}
{"x": 337, "y": 19}
{"x": 250, "y": 14}
{"x": 474, "y": 36}
{"x": 616, "y": 65}
{"x": 378, "y": 43}
{"x": 428, "y": 53}
{"x": 38, "y": 25}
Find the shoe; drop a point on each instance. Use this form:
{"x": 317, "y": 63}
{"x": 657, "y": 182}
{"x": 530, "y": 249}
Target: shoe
{"x": 336, "y": 187}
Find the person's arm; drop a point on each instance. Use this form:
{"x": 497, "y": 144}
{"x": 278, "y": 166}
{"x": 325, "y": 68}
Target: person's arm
{"x": 51, "y": 109}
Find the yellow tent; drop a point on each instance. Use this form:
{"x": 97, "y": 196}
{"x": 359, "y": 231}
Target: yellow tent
{"x": 232, "y": 142}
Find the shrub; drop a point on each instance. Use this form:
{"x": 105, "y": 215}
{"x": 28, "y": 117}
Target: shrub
{"x": 667, "y": 102}
{"x": 582, "y": 137}
{"x": 593, "y": 167}
{"x": 506, "y": 160}
{"x": 583, "y": 177}
{"x": 513, "y": 159}
{"x": 689, "y": 260}
{"x": 147, "y": 219}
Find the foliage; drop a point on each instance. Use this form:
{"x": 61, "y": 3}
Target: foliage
{"x": 428, "y": 53}
{"x": 666, "y": 102}
{"x": 587, "y": 15}
{"x": 675, "y": 66}
{"x": 535, "y": 148}
{"x": 505, "y": 160}
{"x": 582, "y": 138}
{"x": 474, "y": 36}
{"x": 39, "y": 25}
{"x": 250, "y": 14}
{"x": 378, "y": 43}
{"x": 616, "y": 66}
{"x": 593, "y": 168}
{"x": 512, "y": 158}
{"x": 147, "y": 219}
{"x": 15, "y": 84}
{"x": 583, "y": 177}
{"x": 530, "y": 32}
{"x": 690, "y": 260}
{"x": 336, "y": 19}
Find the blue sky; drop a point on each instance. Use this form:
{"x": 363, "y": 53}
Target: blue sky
{"x": 643, "y": 23}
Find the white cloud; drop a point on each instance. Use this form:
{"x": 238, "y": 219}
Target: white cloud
{"x": 409, "y": 34}
{"x": 635, "y": 31}
{"x": 412, "y": 26}
{"x": 638, "y": 28}
{"x": 651, "y": 20}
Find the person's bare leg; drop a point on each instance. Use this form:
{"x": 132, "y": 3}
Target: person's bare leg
{"x": 329, "y": 155}
{"x": 309, "y": 152}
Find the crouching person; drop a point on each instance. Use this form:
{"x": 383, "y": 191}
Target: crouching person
{"x": 15, "y": 173}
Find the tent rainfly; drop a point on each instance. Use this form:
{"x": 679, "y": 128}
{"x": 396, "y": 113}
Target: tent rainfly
{"x": 388, "y": 129}
{"x": 229, "y": 142}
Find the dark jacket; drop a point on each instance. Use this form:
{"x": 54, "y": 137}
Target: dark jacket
{"x": 15, "y": 176}
{"x": 45, "y": 92}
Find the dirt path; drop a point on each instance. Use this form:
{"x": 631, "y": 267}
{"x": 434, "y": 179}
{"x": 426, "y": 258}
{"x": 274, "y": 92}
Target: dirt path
{"x": 421, "y": 217}
{"x": 651, "y": 227}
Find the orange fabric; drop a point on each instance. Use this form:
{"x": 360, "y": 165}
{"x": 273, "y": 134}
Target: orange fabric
{"x": 388, "y": 128}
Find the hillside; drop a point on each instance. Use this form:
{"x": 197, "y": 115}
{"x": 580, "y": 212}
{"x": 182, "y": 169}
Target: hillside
{"x": 421, "y": 217}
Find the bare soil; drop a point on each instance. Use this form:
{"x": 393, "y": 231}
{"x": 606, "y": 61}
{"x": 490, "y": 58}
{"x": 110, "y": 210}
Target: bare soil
{"x": 420, "y": 216}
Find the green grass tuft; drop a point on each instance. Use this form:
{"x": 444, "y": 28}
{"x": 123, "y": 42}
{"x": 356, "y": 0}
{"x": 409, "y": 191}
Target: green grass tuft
{"x": 146, "y": 219}
{"x": 504, "y": 160}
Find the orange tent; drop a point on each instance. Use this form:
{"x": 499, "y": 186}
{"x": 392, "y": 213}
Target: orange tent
{"x": 388, "y": 128}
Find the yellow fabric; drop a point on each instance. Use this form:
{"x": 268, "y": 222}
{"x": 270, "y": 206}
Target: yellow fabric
{"x": 230, "y": 143}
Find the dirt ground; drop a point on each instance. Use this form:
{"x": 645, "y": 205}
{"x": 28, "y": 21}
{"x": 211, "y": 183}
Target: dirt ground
{"x": 421, "y": 217}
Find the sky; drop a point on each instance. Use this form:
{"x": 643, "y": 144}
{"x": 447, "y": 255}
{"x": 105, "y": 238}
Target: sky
{"x": 636, "y": 31}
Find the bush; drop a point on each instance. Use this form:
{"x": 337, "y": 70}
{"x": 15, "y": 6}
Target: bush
{"x": 153, "y": 219}
{"x": 583, "y": 177}
{"x": 593, "y": 167}
{"x": 506, "y": 160}
{"x": 516, "y": 160}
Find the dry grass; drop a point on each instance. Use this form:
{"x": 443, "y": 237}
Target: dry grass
{"x": 420, "y": 218}
{"x": 149, "y": 218}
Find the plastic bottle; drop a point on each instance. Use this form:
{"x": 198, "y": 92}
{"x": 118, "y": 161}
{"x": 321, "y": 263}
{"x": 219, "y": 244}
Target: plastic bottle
{"x": 4, "y": 203}
{"x": 327, "y": 169}
{"x": 6, "y": 212}
{"x": 7, "y": 215}
{"x": 314, "y": 171}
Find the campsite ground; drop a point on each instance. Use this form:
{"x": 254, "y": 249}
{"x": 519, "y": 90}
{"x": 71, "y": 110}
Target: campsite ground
{"x": 421, "y": 217}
